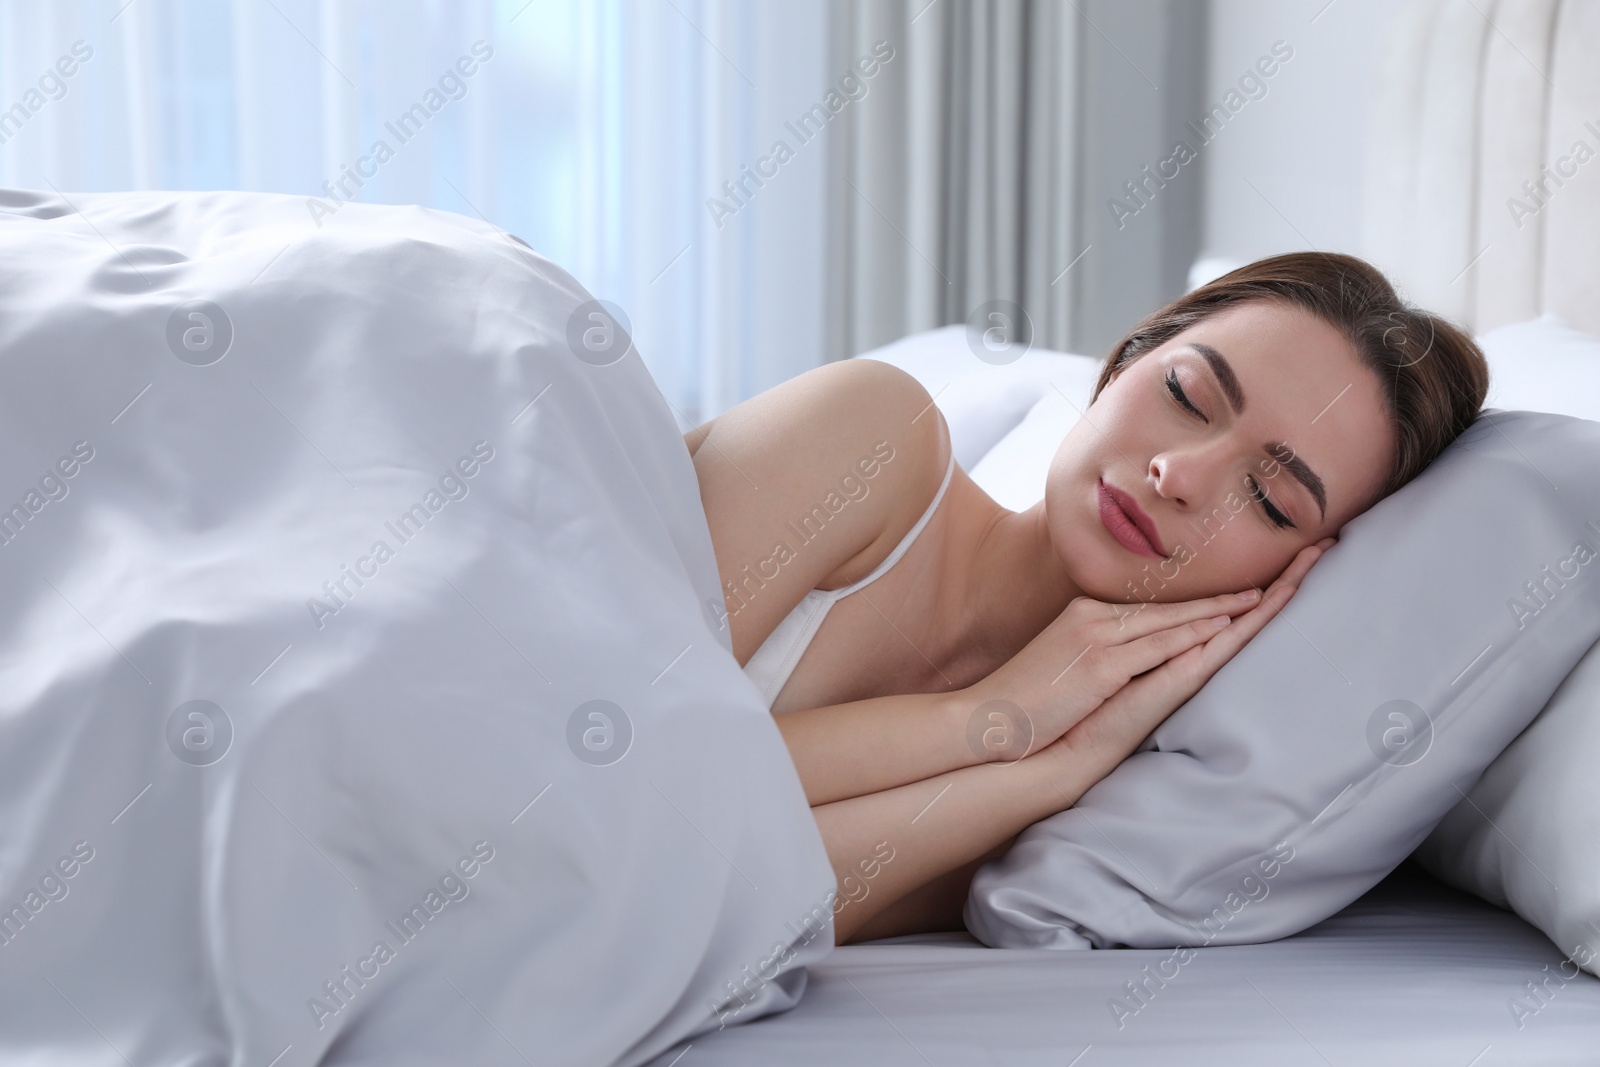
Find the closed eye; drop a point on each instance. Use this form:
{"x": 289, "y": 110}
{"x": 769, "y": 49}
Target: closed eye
{"x": 1183, "y": 398}
{"x": 1279, "y": 519}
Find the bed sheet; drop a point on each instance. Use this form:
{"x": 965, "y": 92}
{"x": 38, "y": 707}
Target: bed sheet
{"x": 1412, "y": 973}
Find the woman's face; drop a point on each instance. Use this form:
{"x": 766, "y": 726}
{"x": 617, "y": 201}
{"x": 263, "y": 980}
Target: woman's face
{"x": 1207, "y": 463}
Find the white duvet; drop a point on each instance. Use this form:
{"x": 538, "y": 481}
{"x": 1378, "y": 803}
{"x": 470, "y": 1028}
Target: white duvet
{"x": 362, "y": 700}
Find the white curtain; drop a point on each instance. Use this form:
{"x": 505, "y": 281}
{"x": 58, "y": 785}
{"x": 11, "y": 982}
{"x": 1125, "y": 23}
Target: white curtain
{"x": 602, "y": 132}
{"x": 981, "y": 168}
{"x": 956, "y": 186}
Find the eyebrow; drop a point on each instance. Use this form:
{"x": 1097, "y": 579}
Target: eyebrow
{"x": 1296, "y": 466}
{"x": 1282, "y": 453}
{"x": 1225, "y": 376}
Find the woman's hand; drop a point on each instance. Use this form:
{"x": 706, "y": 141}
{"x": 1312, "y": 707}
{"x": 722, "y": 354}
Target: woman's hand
{"x": 1092, "y": 748}
{"x": 1159, "y": 655}
{"x": 968, "y": 814}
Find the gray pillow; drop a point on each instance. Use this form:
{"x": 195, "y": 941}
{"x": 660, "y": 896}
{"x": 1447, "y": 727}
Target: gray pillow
{"x": 1524, "y": 838}
{"x": 1322, "y": 754}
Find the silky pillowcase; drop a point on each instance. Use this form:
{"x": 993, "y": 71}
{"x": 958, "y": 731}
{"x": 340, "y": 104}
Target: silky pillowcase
{"x": 1324, "y": 752}
{"x": 1525, "y": 836}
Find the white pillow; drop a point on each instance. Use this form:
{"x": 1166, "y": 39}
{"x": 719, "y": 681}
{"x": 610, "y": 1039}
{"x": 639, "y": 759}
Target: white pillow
{"x": 1527, "y": 837}
{"x": 1013, "y": 472}
{"x": 1544, "y": 365}
{"x": 981, "y": 401}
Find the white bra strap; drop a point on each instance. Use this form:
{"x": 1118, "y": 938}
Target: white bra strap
{"x": 905, "y": 542}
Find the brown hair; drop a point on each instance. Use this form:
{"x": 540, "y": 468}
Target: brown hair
{"x": 1432, "y": 373}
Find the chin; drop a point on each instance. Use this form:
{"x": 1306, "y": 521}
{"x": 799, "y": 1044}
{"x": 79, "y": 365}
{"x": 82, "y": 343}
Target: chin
{"x": 1100, "y": 568}
{"x": 1127, "y": 581}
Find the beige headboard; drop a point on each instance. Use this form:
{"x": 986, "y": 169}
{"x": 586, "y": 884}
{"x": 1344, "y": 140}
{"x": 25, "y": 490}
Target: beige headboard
{"x": 1483, "y": 179}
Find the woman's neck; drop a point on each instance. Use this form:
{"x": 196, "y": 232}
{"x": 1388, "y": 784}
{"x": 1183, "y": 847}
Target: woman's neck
{"x": 1015, "y": 584}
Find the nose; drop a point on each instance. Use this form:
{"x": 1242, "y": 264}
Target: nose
{"x": 1185, "y": 476}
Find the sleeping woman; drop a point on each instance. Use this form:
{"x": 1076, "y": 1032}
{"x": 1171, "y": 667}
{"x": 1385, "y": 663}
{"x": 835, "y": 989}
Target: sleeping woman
{"x": 947, "y": 672}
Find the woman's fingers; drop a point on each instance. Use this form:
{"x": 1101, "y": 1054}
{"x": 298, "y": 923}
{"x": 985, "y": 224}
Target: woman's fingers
{"x": 1111, "y": 732}
{"x": 1228, "y": 642}
{"x": 1136, "y": 621}
{"x": 1170, "y": 630}
{"x": 1296, "y": 571}
{"x": 1095, "y": 649}
{"x": 1140, "y": 620}
{"x": 1147, "y": 653}
{"x": 1177, "y": 663}
{"x": 1221, "y": 636}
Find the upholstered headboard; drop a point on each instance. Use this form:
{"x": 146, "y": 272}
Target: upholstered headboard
{"x": 1483, "y": 183}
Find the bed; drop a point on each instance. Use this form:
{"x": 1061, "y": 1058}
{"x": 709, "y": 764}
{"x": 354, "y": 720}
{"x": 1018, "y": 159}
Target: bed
{"x": 1412, "y": 973}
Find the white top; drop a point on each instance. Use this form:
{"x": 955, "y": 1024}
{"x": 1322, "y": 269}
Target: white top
{"x": 780, "y": 653}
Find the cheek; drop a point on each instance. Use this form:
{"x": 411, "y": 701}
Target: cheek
{"x": 1241, "y": 555}
{"x": 1224, "y": 555}
{"x": 1066, "y": 464}
{"x": 1106, "y": 438}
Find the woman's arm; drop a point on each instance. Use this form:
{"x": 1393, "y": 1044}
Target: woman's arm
{"x": 867, "y": 746}
{"x": 932, "y": 907}
{"x": 927, "y": 829}
{"x": 937, "y": 826}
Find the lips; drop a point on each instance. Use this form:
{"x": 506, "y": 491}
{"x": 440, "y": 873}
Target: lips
{"x": 1127, "y": 522}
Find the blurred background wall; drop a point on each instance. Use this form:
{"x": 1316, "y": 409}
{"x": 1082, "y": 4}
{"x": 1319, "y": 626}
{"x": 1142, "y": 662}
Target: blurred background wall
{"x": 1293, "y": 175}
{"x": 761, "y": 185}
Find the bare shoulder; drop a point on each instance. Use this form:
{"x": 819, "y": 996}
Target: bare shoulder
{"x": 866, "y": 414}
{"x": 812, "y": 483}
{"x": 840, "y": 397}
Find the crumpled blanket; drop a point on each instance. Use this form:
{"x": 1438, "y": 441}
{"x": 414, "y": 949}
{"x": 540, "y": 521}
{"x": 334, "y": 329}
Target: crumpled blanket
{"x": 365, "y": 695}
